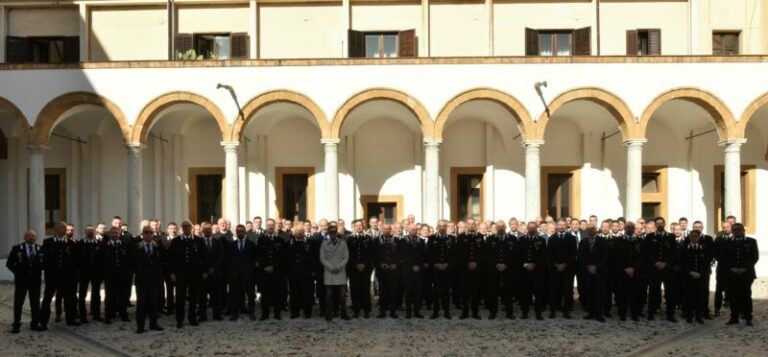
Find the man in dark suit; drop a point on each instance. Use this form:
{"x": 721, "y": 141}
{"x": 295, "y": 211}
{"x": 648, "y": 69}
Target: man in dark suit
{"x": 628, "y": 269}
{"x": 59, "y": 260}
{"x": 440, "y": 258}
{"x": 562, "y": 250}
{"x": 270, "y": 250}
{"x": 661, "y": 260}
{"x": 297, "y": 266}
{"x": 359, "y": 269}
{"x": 213, "y": 275}
{"x": 532, "y": 262}
{"x": 739, "y": 257}
{"x": 240, "y": 261}
{"x": 186, "y": 266}
{"x": 593, "y": 257}
{"x": 26, "y": 264}
{"x": 116, "y": 277}
{"x": 318, "y": 271}
{"x": 90, "y": 273}
{"x": 412, "y": 272}
{"x": 146, "y": 261}
{"x": 470, "y": 259}
{"x": 695, "y": 262}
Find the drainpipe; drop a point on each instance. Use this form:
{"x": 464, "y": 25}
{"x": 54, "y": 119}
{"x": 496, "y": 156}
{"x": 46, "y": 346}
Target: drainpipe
{"x": 597, "y": 15}
{"x": 171, "y": 26}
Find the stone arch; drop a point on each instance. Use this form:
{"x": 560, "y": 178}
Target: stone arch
{"x": 149, "y": 114}
{"x": 724, "y": 120}
{"x": 18, "y": 117}
{"x": 421, "y": 113}
{"x": 53, "y": 110}
{"x": 278, "y": 96}
{"x": 749, "y": 112}
{"x": 517, "y": 109}
{"x": 618, "y": 109}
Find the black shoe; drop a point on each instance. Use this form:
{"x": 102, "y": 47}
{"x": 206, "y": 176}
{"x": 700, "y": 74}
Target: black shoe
{"x": 179, "y": 324}
{"x": 600, "y": 319}
{"x": 125, "y": 319}
{"x": 635, "y": 319}
{"x": 671, "y": 319}
{"x": 552, "y": 315}
{"x": 278, "y": 317}
{"x": 263, "y": 317}
{"x": 356, "y": 314}
{"x": 651, "y": 317}
{"x": 367, "y": 314}
{"x": 83, "y": 320}
{"x": 193, "y": 323}
{"x": 589, "y": 317}
{"x": 510, "y": 316}
{"x": 381, "y": 315}
{"x": 464, "y": 316}
{"x": 689, "y": 320}
{"x": 346, "y": 317}
{"x": 539, "y": 317}
{"x": 525, "y": 316}
{"x": 476, "y": 316}
{"x": 732, "y": 322}
{"x": 393, "y": 315}
{"x": 73, "y": 323}
{"x": 156, "y": 327}
{"x": 407, "y": 315}
{"x": 107, "y": 321}
{"x": 140, "y": 330}
{"x": 233, "y": 318}
{"x": 294, "y": 315}
{"x": 434, "y": 315}
{"x": 749, "y": 322}
{"x": 447, "y": 315}
{"x": 492, "y": 316}
{"x": 57, "y": 319}
{"x": 217, "y": 318}
{"x": 566, "y": 315}
{"x": 97, "y": 318}
{"x": 418, "y": 315}
{"x": 622, "y": 318}
{"x": 700, "y": 320}
{"x": 202, "y": 319}
{"x": 16, "y": 329}
{"x": 37, "y": 328}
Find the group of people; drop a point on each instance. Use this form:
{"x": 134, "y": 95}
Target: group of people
{"x": 405, "y": 267}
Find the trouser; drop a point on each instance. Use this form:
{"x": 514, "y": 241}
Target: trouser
{"x": 209, "y": 290}
{"x": 426, "y": 287}
{"x": 167, "y": 299}
{"x": 389, "y": 285}
{"x": 532, "y": 289}
{"x": 241, "y": 288}
{"x": 187, "y": 290}
{"x": 560, "y": 289}
{"x": 412, "y": 284}
{"x": 65, "y": 285}
{"x": 493, "y": 287}
{"x": 336, "y": 298}
{"x": 441, "y": 291}
{"x": 610, "y": 290}
{"x": 301, "y": 294}
{"x": 146, "y": 301}
{"x": 471, "y": 282}
{"x": 95, "y": 284}
{"x": 721, "y": 290}
{"x": 115, "y": 290}
{"x": 317, "y": 281}
{"x": 456, "y": 286}
{"x": 21, "y": 289}
{"x": 657, "y": 278}
{"x": 594, "y": 292}
{"x": 360, "y": 289}
{"x": 740, "y": 292}
{"x": 272, "y": 287}
{"x": 630, "y": 294}
{"x": 695, "y": 292}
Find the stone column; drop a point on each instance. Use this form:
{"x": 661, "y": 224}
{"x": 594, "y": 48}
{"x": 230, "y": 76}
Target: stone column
{"x": 633, "y": 207}
{"x": 135, "y": 192}
{"x": 431, "y": 181}
{"x": 331, "y": 148}
{"x": 232, "y": 189}
{"x": 532, "y": 178}
{"x": 36, "y": 219}
{"x": 732, "y": 179}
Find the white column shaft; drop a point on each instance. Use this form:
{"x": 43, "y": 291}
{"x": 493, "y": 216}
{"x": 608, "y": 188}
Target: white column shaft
{"x": 135, "y": 192}
{"x": 331, "y": 147}
{"x": 232, "y": 189}
{"x": 532, "y": 179}
{"x": 431, "y": 181}
{"x": 732, "y": 179}
{"x": 36, "y": 220}
{"x": 634, "y": 199}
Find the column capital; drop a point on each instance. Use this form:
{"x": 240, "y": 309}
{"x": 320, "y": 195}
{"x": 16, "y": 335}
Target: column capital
{"x": 230, "y": 145}
{"x": 135, "y": 147}
{"x": 432, "y": 142}
{"x": 36, "y": 148}
{"x": 533, "y": 144}
{"x": 327, "y": 142}
{"x": 635, "y": 142}
{"x": 732, "y": 145}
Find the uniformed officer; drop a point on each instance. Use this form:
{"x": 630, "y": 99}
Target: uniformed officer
{"x": 532, "y": 262}
{"x": 270, "y": 250}
{"x": 59, "y": 261}
{"x": 499, "y": 270}
{"x": 440, "y": 258}
{"x": 412, "y": 270}
{"x": 661, "y": 255}
{"x": 593, "y": 259}
{"x": 318, "y": 272}
{"x": 147, "y": 265}
{"x": 187, "y": 257}
{"x": 90, "y": 273}
{"x": 562, "y": 249}
{"x": 213, "y": 278}
{"x": 240, "y": 260}
{"x": 116, "y": 279}
{"x": 695, "y": 263}
{"x": 298, "y": 270}
{"x": 359, "y": 268}
{"x": 26, "y": 264}
{"x": 708, "y": 242}
{"x": 721, "y": 273}
{"x": 470, "y": 260}
{"x": 628, "y": 267}
{"x": 388, "y": 262}
{"x": 739, "y": 256}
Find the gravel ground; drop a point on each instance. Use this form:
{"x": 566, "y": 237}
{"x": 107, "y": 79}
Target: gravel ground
{"x": 388, "y": 337}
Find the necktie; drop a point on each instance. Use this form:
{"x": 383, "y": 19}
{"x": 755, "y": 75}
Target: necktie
{"x": 208, "y": 243}
{"x": 148, "y": 249}
{"x": 240, "y": 246}
{"x": 30, "y": 252}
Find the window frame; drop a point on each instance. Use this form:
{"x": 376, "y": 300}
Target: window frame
{"x": 575, "y": 188}
{"x": 723, "y": 33}
{"x": 455, "y": 173}
{"x": 661, "y": 196}
{"x": 396, "y": 199}
{"x": 381, "y": 35}
{"x": 280, "y": 200}
{"x": 553, "y": 41}
{"x": 748, "y": 202}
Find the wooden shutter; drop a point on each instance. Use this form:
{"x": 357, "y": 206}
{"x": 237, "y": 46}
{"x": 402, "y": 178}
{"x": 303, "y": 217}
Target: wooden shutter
{"x": 183, "y": 43}
{"x": 631, "y": 42}
{"x": 71, "y": 49}
{"x": 238, "y": 45}
{"x": 654, "y": 42}
{"x": 356, "y": 43}
{"x": 406, "y": 43}
{"x": 582, "y": 40}
{"x": 18, "y": 50}
{"x": 531, "y": 42}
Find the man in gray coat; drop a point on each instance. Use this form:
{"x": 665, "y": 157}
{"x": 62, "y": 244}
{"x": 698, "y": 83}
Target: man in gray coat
{"x": 334, "y": 256}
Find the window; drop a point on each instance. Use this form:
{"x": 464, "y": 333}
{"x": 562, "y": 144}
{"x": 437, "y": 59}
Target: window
{"x": 725, "y": 43}
{"x": 467, "y": 193}
{"x": 560, "y": 191}
{"x": 295, "y": 192}
{"x": 747, "y": 197}
{"x": 206, "y": 192}
{"x": 55, "y": 186}
{"x": 42, "y": 49}
{"x": 654, "y": 192}
{"x": 558, "y": 42}
{"x": 3, "y": 146}
{"x": 644, "y": 42}
{"x": 382, "y": 44}
{"x": 387, "y": 209}
{"x": 212, "y": 46}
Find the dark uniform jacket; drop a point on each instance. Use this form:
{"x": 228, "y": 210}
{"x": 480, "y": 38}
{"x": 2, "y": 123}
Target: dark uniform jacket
{"x": 696, "y": 257}
{"x": 187, "y": 256}
{"x": 360, "y": 248}
{"x": 562, "y": 249}
{"x": 298, "y": 258}
{"x": 23, "y": 268}
{"x": 532, "y": 249}
{"x": 414, "y": 253}
{"x": 115, "y": 259}
{"x": 593, "y": 254}
{"x": 500, "y": 249}
{"x": 470, "y": 247}
{"x": 89, "y": 256}
{"x": 59, "y": 257}
{"x": 440, "y": 249}
{"x": 270, "y": 250}
{"x": 661, "y": 248}
{"x": 740, "y": 253}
